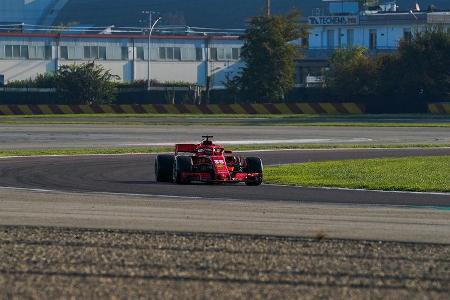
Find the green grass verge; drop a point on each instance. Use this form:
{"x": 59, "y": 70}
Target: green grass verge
{"x": 149, "y": 150}
{"x": 237, "y": 123}
{"x": 233, "y": 116}
{"x": 424, "y": 120}
{"x": 203, "y": 116}
{"x": 430, "y": 174}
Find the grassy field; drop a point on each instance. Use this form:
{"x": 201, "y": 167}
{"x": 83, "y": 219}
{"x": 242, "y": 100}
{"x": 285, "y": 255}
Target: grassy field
{"x": 149, "y": 150}
{"x": 404, "y": 174}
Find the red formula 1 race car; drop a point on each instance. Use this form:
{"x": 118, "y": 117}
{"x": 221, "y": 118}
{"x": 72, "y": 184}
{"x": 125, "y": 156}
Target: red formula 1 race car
{"x": 207, "y": 162}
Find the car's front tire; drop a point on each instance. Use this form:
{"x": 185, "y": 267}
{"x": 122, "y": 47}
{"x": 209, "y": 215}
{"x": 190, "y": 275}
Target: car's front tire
{"x": 181, "y": 164}
{"x": 164, "y": 167}
{"x": 254, "y": 165}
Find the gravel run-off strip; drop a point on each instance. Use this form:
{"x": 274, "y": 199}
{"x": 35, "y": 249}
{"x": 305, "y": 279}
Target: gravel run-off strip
{"x": 49, "y": 263}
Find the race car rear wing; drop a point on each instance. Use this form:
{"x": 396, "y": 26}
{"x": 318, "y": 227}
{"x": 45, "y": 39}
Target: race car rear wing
{"x": 191, "y": 148}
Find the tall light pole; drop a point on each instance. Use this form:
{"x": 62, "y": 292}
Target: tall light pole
{"x": 151, "y": 25}
{"x": 268, "y": 8}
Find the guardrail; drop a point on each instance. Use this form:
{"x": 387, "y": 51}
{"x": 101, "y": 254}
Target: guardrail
{"x": 278, "y": 108}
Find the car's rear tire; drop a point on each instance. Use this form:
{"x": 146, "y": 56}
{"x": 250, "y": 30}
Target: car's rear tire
{"x": 254, "y": 165}
{"x": 164, "y": 167}
{"x": 181, "y": 164}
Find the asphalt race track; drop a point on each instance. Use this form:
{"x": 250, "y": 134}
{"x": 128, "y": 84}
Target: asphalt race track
{"x": 134, "y": 174}
{"x": 60, "y": 136}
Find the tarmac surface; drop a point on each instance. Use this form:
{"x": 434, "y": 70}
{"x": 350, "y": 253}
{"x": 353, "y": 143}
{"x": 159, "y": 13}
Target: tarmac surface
{"x": 184, "y": 214}
{"x": 134, "y": 174}
{"x": 48, "y": 136}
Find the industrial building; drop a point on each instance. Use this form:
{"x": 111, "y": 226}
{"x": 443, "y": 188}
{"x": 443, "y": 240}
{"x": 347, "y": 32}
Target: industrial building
{"x": 344, "y": 24}
{"x": 189, "y": 58}
{"x": 201, "y": 58}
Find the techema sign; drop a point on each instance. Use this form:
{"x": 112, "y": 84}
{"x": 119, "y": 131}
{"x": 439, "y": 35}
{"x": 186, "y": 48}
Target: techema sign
{"x": 334, "y": 20}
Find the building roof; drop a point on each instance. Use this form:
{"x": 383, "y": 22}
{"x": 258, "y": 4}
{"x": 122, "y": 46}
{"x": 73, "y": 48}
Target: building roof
{"x": 117, "y": 36}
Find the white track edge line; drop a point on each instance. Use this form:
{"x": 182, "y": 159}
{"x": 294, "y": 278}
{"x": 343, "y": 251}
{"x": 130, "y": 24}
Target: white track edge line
{"x": 359, "y": 190}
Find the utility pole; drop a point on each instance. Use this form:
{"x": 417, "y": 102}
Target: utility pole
{"x": 268, "y": 9}
{"x": 151, "y": 25}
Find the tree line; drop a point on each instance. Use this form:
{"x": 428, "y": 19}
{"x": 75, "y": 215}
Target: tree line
{"x": 419, "y": 72}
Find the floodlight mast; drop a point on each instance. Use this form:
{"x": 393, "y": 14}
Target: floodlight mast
{"x": 151, "y": 25}
{"x": 268, "y": 8}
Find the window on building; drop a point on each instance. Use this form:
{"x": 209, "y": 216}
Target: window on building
{"x": 330, "y": 39}
{"x": 28, "y": 52}
{"x": 36, "y": 52}
{"x": 17, "y": 51}
{"x": 140, "y": 53}
{"x": 224, "y": 54}
{"x": 372, "y": 39}
{"x": 228, "y": 53}
{"x": 407, "y": 35}
{"x": 236, "y": 53}
{"x": 177, "y": 53}
{"x": 124, "y": 53}
{"x": 73, "y": 53}
{"x": 24, "y": 52}
{"x": 64, "y": 52}
{"x": 198, "y": 54}
{"x": 32, "y": 52}
{"x": 170, "y": 53}
{"x": 8, "y": 51}
{"x": 48, "y": 52}
{"x": 102, "y": 53}
{"x": 340, "y": 37}
{"x": 213, "y": 54}
{"x": 221, "y": 54}
{"x": 162, "y": 53}
{"x": 188, "y": 54}
{"x": 350, "y": 38}
{"x": 94, "y": 52}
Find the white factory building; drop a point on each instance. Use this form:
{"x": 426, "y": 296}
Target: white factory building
{"x": 207, "y": 59}
{"x": 188, "y": 58}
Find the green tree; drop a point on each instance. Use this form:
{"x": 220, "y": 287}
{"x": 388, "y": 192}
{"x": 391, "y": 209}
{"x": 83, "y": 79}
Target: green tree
{"x": 352, "y": 74}
{"x": 41, "y": 81}
{"x": 87, "y": 83}
{"x": 269, "y": 57}
{"x": 404, "y": 82}
{"x": 424, "y": 63}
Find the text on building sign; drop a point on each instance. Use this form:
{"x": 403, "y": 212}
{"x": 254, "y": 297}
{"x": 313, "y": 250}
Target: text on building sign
{"x": 334, "y": 20}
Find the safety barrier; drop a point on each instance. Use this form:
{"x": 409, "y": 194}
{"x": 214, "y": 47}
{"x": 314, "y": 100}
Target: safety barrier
{"x": 439, "y": 108}
{"x": 278, "y": 108}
